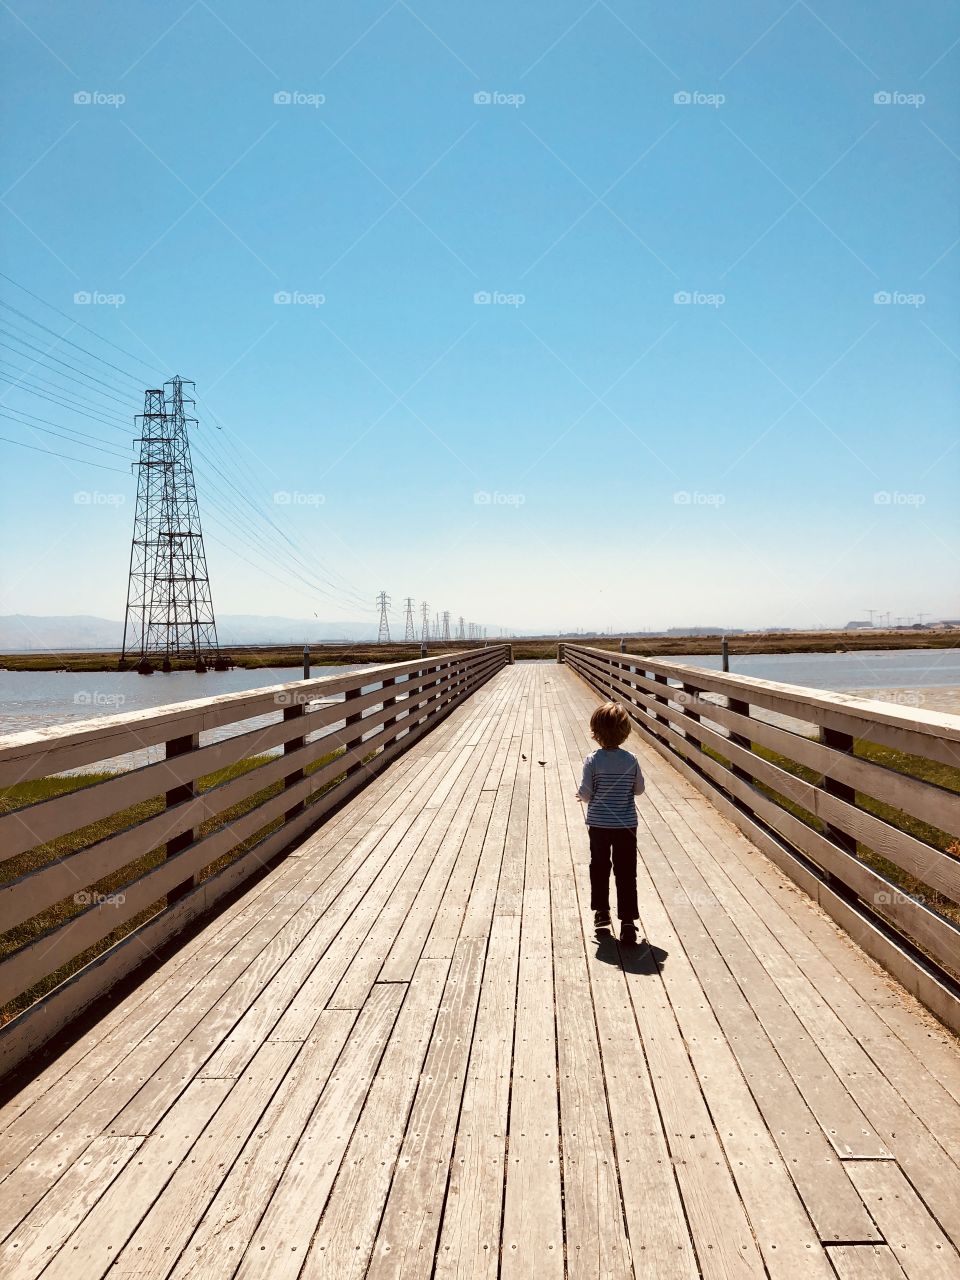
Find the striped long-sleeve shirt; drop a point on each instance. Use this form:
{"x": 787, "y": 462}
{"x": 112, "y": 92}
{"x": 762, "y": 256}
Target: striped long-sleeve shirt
{"x": 611, "y": 780}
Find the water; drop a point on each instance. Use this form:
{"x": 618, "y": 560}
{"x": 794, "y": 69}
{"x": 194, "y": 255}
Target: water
{"x": 881, "y": 670}
{"x": 34, "y": 699}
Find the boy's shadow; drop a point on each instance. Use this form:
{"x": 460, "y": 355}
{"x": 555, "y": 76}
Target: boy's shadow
{"x": 643, "y": 958}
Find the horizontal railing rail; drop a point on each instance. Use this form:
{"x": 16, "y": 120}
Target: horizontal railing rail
{"x": 103, "y": 857}
{"x": 857, "y": 800}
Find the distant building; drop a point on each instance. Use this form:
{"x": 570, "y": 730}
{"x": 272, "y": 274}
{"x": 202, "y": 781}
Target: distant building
{"x": 859, "y": 626}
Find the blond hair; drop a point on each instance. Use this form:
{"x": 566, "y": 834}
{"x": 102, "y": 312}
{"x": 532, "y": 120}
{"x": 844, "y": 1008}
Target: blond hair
{"x": 610, "y": 725}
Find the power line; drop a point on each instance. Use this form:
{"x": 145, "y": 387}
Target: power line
{"x": 62, "y": 338}
{"x": 50, "y": 432}
{"x": 79, "y": 324}
{"x": 84, "y": 461}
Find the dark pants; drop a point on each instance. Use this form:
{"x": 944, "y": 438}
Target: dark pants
{"x": 619, "y": 846}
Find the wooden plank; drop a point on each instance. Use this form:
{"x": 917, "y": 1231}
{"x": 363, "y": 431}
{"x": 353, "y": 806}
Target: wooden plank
{"x": 414, "y": 899}
{"x": 227, "y": 1222}
{"x": 438, "y": 912}
{"x": 674, "y": 1020}
{"x": 917, "y": 1242}
{"x": 344, "y": 1238}
{"x": 298, "y": 1191}
{"x": 915, "y": 1146}
{"x": 406, "y": 1241}
{"x": 171, "y": 1218}
{"x": 894, "y": 1028}
{"x": 811, "y": 1160}
{"x": 42, "y": 1233}
{"x": 469, "y": 1243}
{"x": 865, "y": 1262}
{"x": 93, "y": 1247}
{"x": 659, "y": 1238}
{"x": 595, "y": 1231}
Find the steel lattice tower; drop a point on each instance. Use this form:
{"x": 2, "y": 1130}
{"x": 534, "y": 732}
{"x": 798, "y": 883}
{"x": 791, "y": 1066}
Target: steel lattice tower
{"x": 169, "y": 608}
{"x": 445, "y": 627}
{"x": 409, "y": 631}
{"x": 460, "y": 635}
{"x": 425, "y": 617}
{"x": 383, "y": 632}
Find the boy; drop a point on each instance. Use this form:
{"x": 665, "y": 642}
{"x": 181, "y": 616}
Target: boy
{"x": 611, "y": 780}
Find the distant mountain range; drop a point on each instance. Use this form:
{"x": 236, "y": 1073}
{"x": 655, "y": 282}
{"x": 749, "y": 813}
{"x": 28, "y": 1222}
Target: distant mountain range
{"x": 22, "y": 632}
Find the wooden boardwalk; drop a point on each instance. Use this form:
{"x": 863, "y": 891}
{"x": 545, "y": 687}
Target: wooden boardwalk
{"x": 404, "y": 1053}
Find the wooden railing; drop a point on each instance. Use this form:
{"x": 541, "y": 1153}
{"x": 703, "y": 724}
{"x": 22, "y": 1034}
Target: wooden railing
{"x": 98, "y": 868}
{"x": 856, "y": 800}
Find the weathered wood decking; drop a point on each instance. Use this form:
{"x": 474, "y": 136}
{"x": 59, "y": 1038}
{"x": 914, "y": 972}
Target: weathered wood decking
{"x": 403, "y": 1053}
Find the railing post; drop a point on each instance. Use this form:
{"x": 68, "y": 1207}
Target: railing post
{"x": 389, "y": 702}
{"x": 350, "y": 696}
{"x": 661, "y": 679}
{"x": 724, "y": 653}
{"x": 738, "y": 739}
{"x": 509, "y": 655}
{"x": 560, "y": 651}
{"x": 180, "y": 747}
{"x": 839, "y": 742}
{"x": 294, "y": 712}
{"x": 691, "y": 692}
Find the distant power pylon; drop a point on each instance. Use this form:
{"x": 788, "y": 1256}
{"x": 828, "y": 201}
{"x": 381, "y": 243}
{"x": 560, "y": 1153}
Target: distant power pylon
{"x": 409, "y": 631}
{"x": 460, "y": 635}
{"x": 383, "y": 632}
{"x": 169, "y": 608}
{"x": 445, "y": 634}
{"x": 425, "y": 618}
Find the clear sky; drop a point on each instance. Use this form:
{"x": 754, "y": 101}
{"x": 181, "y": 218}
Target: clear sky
{"x": 583, "y": 449}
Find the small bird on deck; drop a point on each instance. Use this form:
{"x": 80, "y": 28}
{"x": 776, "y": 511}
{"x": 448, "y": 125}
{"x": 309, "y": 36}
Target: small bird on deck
{"x": 541, "y": 762}
{"x": 522, "y": 756}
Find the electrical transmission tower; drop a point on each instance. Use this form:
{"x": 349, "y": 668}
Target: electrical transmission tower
{"x": 409, "y": 631}
{"x": 425, "y": 617}
{"x": 460, "y": 635}
{"x": 383, "y": 633}
{"x": 169, "y": 609}
{"x": 445, "y": 635}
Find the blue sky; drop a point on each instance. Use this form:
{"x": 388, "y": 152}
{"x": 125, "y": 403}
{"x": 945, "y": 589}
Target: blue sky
{"x": 778, "y": 449}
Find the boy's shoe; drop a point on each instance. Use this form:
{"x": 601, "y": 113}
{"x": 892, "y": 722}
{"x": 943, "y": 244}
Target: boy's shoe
{"x": 628, "y": 933}
{"x": 601, "y": 920}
